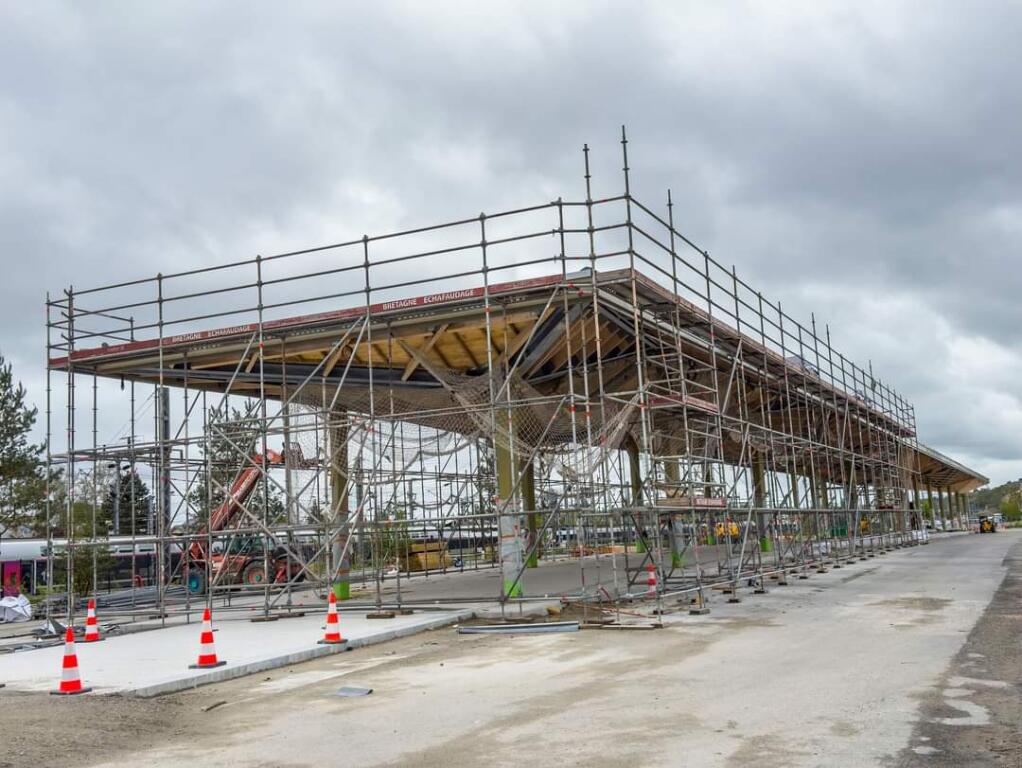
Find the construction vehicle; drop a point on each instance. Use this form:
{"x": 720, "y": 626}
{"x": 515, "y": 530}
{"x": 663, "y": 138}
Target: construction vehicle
{"x": 987, "y": 525}
{"x": 245, "y": 559}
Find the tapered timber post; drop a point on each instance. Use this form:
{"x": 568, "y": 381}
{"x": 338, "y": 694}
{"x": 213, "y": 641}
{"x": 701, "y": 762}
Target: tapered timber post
{"x": 527, "y": 489}
{"x": 339, "y": 530}
{"x": 635, "y": 481}
{"x": 759, "y": 500}
{"x": 672, "y": 476}
{"x": 508, "y": 521}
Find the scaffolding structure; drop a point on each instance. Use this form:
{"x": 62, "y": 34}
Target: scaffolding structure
{"x": 573, "y": 385}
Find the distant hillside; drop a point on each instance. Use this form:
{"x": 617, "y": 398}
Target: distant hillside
{"x": 1006, "y": 499}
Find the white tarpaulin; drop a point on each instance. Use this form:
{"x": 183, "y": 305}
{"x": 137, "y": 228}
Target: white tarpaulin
{"x": 15, "y": 609}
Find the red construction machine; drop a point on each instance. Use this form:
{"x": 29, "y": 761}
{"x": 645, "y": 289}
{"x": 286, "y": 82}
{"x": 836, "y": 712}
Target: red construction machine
{"x": 245, "y": 557}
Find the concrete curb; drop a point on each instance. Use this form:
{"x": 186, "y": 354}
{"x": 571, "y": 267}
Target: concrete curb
{"x": 261, "y": 665}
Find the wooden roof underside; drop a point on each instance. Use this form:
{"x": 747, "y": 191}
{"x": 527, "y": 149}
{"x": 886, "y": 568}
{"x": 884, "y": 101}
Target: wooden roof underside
{"x": 543, "y": 339}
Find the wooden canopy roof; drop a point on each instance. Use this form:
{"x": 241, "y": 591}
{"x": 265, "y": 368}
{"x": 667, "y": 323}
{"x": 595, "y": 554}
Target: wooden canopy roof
{"x": 542, "y": 328}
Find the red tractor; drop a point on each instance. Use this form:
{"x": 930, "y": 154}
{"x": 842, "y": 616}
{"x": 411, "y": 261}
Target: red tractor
{"x": 245, "y": 559}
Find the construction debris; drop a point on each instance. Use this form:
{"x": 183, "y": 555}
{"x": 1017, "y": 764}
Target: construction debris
{"x": 519, "y": 629}
{"x": 14, "y": 609}
{"x": 351, "y": 691}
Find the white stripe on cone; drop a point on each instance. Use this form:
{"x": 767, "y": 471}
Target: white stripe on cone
{"x": 332, "y": 635}
{"x": 91, "y": 626}
{"x": 207, "y": 649}
{"x": 70, "y": 682}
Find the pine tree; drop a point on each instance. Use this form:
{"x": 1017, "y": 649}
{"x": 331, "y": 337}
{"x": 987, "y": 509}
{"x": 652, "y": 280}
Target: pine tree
{"x": 133, "y": 507}
{"x": 22, "y": 472}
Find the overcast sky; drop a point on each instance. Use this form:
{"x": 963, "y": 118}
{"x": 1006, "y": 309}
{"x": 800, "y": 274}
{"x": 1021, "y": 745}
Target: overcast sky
{"x": 858, "y": 160}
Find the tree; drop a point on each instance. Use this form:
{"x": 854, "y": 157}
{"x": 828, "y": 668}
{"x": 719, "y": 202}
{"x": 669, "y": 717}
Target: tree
{"x": 22, "y": 471}
{"x": 1005, "y": 498}
{"x": 126, "y": 501}
{"x": 89, "y": 529}
{"x": 93, "y": 559}
{"x": 393, "y": 537}
{"x": 926, "y": 507}
{"x": 1011, "y": 509}
{"x": 87, "y": 486}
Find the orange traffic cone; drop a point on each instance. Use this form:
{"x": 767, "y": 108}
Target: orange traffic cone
{"x": 70, "y": 682}
{"x": 91, "y": 627}
{"x": 207, "y": 651}
{"x": 651, "y": 580}
{"x": 333, "y": 627}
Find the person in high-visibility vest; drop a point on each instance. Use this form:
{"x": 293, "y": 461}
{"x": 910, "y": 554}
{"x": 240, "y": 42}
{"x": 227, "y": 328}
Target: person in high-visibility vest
{"x": 720, "y": 530}
{"x": 734, "y": 533}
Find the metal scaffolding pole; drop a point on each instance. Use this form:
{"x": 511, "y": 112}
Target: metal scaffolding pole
{"x": 574, "y": 383}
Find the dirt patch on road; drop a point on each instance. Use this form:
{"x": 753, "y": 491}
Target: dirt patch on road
{"x": 844, "y": 728}
{"x": 916, "y": 603}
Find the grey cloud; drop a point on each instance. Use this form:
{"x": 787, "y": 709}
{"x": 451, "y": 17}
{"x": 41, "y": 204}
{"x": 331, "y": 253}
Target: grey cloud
{"x": 835, "y": 154}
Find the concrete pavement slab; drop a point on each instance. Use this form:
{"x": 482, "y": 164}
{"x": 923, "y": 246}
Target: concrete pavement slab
{"x": 156, "y": 662}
